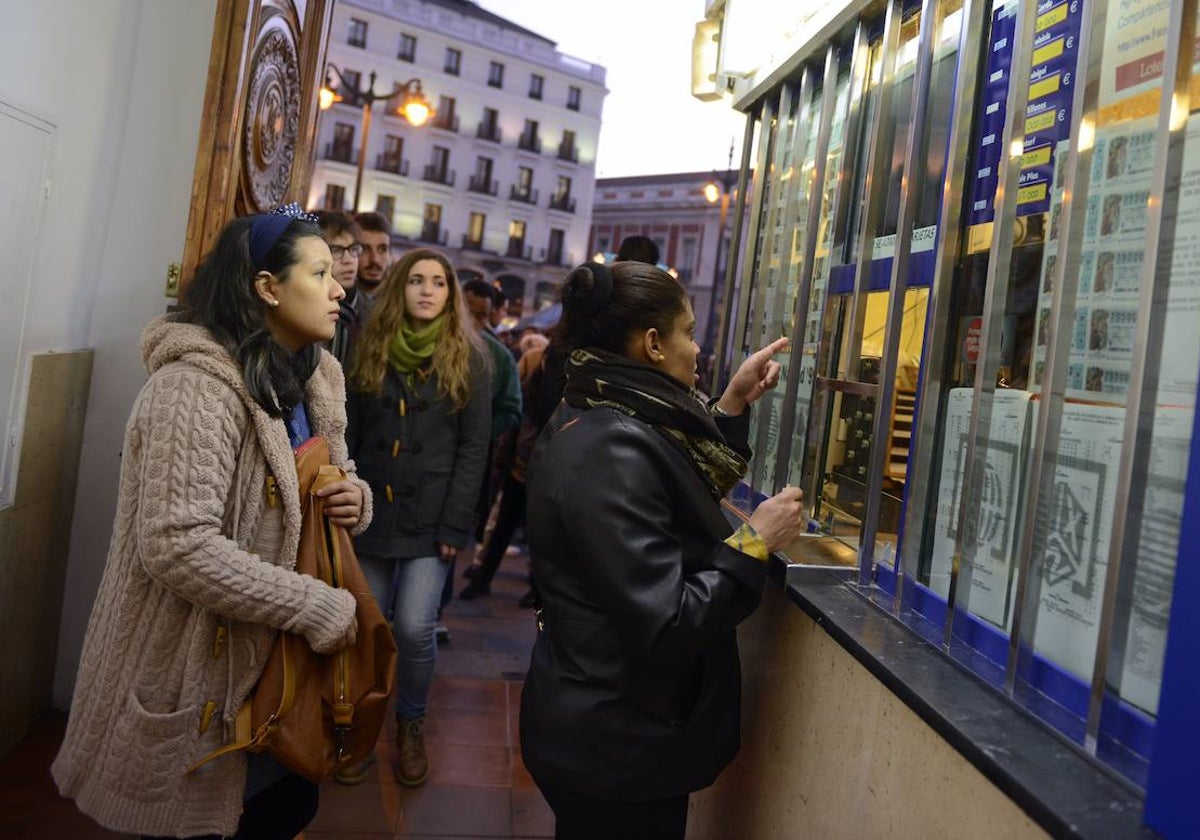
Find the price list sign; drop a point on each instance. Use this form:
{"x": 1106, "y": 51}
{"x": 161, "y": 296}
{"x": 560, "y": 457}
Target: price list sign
{"x": 1047, "y": 116}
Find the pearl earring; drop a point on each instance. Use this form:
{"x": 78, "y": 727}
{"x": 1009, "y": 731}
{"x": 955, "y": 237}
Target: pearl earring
{"x": 274, "y": 302}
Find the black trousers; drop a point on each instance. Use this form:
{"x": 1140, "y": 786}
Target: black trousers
{"x": 579, "y": 817}
{"x": 278, "y": 813}
{"x": 509, "y": 518}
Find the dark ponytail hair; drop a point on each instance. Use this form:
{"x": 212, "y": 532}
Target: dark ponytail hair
{"x": 602, "y": 311}
{"x": 222, "y": 299}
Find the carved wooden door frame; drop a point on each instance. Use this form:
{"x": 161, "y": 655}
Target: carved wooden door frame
{"x": 258, "y": 130}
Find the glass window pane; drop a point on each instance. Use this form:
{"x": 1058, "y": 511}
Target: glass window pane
{"x": 1100, "y": 350}
{"x": 813, "y": 335}
{"x": 756, "y": 257}
{"x": 796, "y": 179}
{"x": 768, "y": 299}
{"x": 846, "y": 242}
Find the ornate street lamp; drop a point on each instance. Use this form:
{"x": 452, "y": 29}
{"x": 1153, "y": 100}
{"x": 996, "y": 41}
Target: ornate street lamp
{"x": 413, "y": 106}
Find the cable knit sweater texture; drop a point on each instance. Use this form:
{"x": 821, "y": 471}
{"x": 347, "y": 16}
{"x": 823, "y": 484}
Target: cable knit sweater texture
{"x": 198, "y": 580}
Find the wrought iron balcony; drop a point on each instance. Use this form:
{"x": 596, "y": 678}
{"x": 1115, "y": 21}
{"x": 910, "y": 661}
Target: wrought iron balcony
{"x": 483, "y": 185}
{"x": 530, "y": 143}
{"x": 433, "y": 234}
{"x": 341, "y": 152}
{"x": 439, "y": 175}
{"x": 488, "y": 131}
{"x": 447, "y": 122}
{"x": 568, "y": 152}
{"x": 517, "y": 250}
{"x": 470, "y": 244}
{"x": 528, "y": 196}
{"x": 391, "y": 163}
{"x": 564, "y": 203}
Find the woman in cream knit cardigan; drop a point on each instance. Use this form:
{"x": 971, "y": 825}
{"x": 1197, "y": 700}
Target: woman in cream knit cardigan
{"x": 199, "y": 575}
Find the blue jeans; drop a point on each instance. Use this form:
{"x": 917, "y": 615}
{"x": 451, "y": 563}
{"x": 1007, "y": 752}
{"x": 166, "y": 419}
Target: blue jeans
{"x": 408, "y": 590}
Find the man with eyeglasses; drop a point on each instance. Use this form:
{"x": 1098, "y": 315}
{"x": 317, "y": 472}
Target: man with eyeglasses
{"x": 342, "y": 234}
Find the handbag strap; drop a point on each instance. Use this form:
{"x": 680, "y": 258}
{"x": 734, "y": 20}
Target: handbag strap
{"x": 247, "y": 738}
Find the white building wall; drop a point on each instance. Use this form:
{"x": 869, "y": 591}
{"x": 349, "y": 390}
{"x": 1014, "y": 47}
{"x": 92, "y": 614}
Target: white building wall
{"x": 480, "y": 43}
{"x": 122, "y": 82}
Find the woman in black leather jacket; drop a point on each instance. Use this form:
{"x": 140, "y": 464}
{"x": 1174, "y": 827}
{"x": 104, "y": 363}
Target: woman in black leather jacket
{"x": 632, "y": 698}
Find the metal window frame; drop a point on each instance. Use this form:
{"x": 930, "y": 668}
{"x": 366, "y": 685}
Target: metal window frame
{"x": 995, "y": 297}
{"x": 818, "y": 421}
{"x": 732, "y": 255}
{"x": 1041, "y": 481}
{"x": 916, "y": 142}
{"x": 875, "y": 188}
{"x": 799, "y": 143}
{"x": 766, "y": 137}
{"x": 926, "y": 440}
{"x": 1133, "y": 468}
{"x": 787, "y": 421}
{"x": 785, "y": 121}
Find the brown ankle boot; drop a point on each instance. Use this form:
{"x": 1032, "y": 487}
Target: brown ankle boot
{"x": 412, "y": 768}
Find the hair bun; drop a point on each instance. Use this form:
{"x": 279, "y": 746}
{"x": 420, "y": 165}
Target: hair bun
{"x": 588, "y": 289}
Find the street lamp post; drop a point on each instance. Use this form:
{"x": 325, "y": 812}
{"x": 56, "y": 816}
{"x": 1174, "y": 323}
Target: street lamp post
{"x": 413, "y": 106}
{"x": 718, "y": 189}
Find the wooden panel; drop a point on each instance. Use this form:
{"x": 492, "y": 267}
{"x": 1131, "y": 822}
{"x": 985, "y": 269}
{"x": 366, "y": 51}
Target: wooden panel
{"x": 257, "y": 136}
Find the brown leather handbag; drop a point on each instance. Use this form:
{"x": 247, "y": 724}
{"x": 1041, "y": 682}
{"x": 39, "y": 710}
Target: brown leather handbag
{"x": 318, "y": 713}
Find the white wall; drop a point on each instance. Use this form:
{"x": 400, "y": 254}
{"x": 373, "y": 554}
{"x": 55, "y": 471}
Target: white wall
{"x": 123, "y": 83}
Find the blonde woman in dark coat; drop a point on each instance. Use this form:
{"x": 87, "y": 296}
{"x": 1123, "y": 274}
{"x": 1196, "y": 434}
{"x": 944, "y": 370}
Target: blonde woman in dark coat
{"x": 419, "y": 423}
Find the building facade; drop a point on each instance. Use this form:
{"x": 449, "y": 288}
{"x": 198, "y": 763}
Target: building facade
{"x": 501, "y": 178}
{"x": 691, "y": 230}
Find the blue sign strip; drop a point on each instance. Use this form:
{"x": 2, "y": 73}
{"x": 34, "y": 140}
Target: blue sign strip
{"x": 1052, "y": 78}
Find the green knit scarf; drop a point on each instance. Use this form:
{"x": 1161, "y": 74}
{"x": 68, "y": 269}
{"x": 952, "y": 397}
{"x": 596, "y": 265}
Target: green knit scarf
{"x": 411, "y": 348}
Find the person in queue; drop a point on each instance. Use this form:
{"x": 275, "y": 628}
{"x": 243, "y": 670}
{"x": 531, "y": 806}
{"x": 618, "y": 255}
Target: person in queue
{"x": 419, "y": 425}
{"x": 633, "y": 692}
{"x": 499, "y": 308}
{"x": 638, "y": 248}
{"x": 506, "y": 411}
{"x": 375, "y": 236}
{"x": 199, "y": 575}
{"x": 341, "y": 232}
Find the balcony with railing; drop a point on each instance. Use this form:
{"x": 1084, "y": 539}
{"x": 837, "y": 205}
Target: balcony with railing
{"x": 527, "y": 195}
{"x": 470, "y": 244}
{"x": 554, "y": 257}
{"x": 479, "y": 184}
{"x": 518, "y": 250}
{"x": 565, "y": 203}
{"x": 568, "y": 152}
{"x": 433, "y": 234}
{"x": 341, "y": 152}
{"x": 438, "y": 175}
{"x": 530, "y": 143}
{"x": 488, "y": 131}
{"x": 392, "y": 163}
{"x": 446, "y": 122}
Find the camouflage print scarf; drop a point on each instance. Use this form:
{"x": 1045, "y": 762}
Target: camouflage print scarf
{"x": 597, "y": 378}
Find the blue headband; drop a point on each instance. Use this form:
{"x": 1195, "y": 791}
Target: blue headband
{"x": 266, "y": 228}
